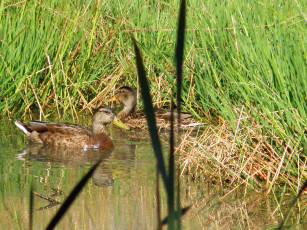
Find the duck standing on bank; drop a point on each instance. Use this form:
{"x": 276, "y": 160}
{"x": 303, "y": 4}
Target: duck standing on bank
{"x": 136, "y": 119}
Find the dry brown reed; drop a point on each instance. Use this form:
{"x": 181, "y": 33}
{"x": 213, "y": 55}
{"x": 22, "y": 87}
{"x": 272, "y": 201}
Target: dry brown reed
{"x": 255, "y": 211}
{"x": 247, "y": 155}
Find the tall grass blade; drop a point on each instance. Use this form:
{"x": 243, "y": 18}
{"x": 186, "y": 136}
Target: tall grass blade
{"x": 292, "y": 204}
{"x": 149, "y": 111}
{"x": 72, "y": 196}
{"x": 158, "y": 200}
{"x": 179, "y": 54}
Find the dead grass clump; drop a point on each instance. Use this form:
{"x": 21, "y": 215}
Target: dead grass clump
{"x": 249, "y": 154}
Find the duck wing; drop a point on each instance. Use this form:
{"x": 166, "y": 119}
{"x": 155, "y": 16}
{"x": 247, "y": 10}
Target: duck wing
{"x": 58, "y": 134}
{"x": 60, "y": 128}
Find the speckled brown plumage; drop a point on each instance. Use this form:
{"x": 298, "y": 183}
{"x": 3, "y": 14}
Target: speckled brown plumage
{"x": 136, "y": 119}
{"x": 72, "y": 135}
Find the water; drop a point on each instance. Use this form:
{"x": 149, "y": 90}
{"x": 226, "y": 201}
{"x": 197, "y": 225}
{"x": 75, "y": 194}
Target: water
{"x": 122, "y": 192}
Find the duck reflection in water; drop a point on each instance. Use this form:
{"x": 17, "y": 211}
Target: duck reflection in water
{"x": 117, "y": 160}
{"x": 118, "y": 165}
{"x": 66, "y": 156}
{"x": 49, "y": 153}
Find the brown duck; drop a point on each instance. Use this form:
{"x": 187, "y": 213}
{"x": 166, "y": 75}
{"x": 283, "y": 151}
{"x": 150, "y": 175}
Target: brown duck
{"x": 136, "y": 119}
{"x": 72, "y": 135}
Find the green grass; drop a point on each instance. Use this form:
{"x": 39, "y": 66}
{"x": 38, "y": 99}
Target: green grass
{"x": 58, "y": 58}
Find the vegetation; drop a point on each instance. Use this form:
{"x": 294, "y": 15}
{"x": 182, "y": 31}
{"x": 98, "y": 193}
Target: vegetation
{"x": 244, "y": 63}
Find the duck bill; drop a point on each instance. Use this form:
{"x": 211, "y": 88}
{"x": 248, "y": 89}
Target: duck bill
{"x": 120, "y": 124}
{"x": 111, "y": 99}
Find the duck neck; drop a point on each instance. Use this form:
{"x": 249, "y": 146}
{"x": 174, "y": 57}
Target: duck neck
{"x": 127, "y": 110}
{"x": 98, "y": 128}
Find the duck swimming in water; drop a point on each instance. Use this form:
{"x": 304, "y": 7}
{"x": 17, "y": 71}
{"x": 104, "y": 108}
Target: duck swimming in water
{"x": 73, "y": 135}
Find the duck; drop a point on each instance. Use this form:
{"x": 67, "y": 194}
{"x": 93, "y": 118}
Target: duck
{"x": 127, "y": 96}
{"x": 73, "y": 135}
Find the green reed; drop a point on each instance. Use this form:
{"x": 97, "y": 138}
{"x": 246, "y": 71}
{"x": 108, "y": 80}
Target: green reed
{"x": 55, "y": 58}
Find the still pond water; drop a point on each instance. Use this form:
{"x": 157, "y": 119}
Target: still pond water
{"x": 122, "y": 192}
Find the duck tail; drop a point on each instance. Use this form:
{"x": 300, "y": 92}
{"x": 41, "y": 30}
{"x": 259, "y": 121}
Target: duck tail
{"x": 22, "y": 126}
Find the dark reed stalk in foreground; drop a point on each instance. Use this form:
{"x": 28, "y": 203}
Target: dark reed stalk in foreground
{"x": 72, "y": 196}
{"x": 179, "y": 55}
{"x": 183, "y": 211}
{"x": 292, "y": 204}
{"x": 149, "y": 111}
{"x": 158, "y": 199}
{"x": 153, "y": 131}
{"x": 174, "y": 217}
